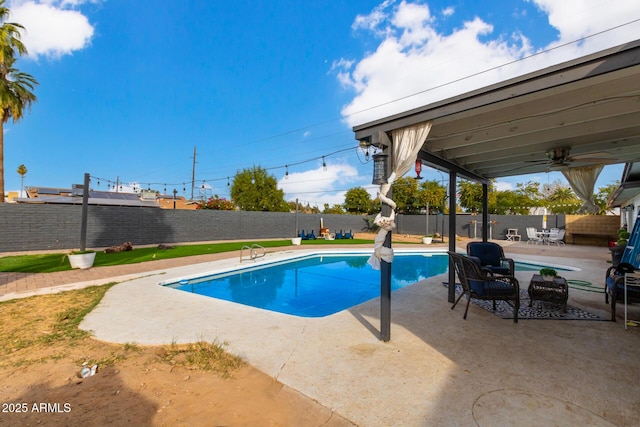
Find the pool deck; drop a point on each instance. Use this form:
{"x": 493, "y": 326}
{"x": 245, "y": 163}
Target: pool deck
{"x": 437, "y": 369}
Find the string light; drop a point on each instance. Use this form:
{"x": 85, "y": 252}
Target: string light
{"x": 253, "y": 180}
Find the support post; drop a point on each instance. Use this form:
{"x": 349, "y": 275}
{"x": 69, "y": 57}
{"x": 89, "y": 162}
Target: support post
{"x": 385, "y": 284}
{"x": 452, "y": 234}
{"x": 85, "y": 211}
{"x": 485, "y": 211}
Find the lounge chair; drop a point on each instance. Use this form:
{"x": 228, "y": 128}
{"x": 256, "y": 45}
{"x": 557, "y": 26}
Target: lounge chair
{"x": 490, "y": 257}
{"x": 477, "y": 284}
{"x": 614, "y": 286}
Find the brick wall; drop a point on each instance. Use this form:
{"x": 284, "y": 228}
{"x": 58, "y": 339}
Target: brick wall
{"x": 42, "y": 227}
{"x": 592, "y": 230}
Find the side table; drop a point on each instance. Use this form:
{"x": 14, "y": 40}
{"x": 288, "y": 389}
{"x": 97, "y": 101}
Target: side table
{"x": 556, "y": 291}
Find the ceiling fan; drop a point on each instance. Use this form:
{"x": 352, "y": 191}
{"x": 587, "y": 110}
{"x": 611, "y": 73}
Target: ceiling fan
{"x": 560, "y": 158}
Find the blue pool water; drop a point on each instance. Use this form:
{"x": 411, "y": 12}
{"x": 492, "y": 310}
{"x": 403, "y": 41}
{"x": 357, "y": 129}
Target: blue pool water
{"x": 318, "y": 285}
{"x": 315, "y": 285}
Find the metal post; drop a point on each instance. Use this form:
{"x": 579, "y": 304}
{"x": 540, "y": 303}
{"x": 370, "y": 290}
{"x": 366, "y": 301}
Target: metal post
{"x": 485, "y": 210}
{"x": 297, "y": 232}
{"x": 85, "y": 209}
{"x": 385, "y": 284}
{"x": 452, "y": 234}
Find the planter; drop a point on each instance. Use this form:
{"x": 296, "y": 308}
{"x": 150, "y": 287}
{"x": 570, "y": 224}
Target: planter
{"x": 427, "y": 240}
{"x": 296, "y": 241}
{"x": 82, "y": 261}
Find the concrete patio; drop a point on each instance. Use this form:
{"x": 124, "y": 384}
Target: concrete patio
{"x": 438, "y": 369}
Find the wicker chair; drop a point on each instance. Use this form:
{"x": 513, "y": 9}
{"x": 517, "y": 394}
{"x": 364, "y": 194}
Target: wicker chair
{"x": 477, "y": 284}
{"x": 614, "y": 286}
{"x": 491, "y": 258}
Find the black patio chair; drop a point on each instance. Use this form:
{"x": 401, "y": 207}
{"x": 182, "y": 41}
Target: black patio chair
{"x": 491, "y": 258}
{"x": 478, "y": 284}
{"x": 614, "y": 286}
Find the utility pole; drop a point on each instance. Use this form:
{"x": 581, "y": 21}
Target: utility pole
{"x": 193, "y": 172}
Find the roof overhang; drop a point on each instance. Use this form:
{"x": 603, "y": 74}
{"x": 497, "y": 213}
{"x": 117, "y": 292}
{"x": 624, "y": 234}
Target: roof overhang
{"x": 629, "y": 186}
{"x": 589, "y": 106}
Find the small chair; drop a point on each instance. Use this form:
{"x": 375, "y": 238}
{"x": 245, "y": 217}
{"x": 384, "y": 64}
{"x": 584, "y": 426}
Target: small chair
{"x": 348, "y": 235}
{"x": 490, "y": 257}
{"x": 532, "y": 236}
{"x": 339, "y": 235}
{"x": 479, "y": 285}
{"x": 556, "y": 237}
{"x": 614, "y": 286}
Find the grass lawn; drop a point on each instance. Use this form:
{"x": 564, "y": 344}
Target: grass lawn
{"x": 48, "y": 263}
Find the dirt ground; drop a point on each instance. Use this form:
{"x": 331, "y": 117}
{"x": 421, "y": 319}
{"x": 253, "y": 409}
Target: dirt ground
{"x": 42, "y": 353}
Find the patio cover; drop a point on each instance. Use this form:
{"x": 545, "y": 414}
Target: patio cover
{"x": 581, "y": 114}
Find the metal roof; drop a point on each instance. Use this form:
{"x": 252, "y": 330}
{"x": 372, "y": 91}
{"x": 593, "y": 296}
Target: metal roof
{"x": 103, "y": 198}
{"x": 578, "y": 113}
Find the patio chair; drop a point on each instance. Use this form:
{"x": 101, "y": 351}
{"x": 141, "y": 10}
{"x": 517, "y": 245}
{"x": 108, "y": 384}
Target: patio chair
{"x": 556, "y": 237}
{"x": 490, "y": 257}
{"x": 339, "y": 235}
{"x": 479, "y": 285}
{"x": 614, "y": 286}
{"x": 532, "y": 236}
{"x": 348, "y": 235}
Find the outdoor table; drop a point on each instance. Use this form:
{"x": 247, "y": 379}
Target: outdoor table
{"x": 556, "y": 291}
{"x": 544, "y": 234}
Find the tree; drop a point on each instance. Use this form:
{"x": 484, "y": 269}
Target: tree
{"x": 358, "y": 201}
{"x": 16, "y": 87}
{"x": 22, "y": 171}
{"x": 406, "y": 195}
{"x": 471, "y": 196}
{"x": 602, "y": 196}
{"x": 216, "y": 203}
{"x": 563, "y": 201}
{"x": 335, "y": 209}
{"x": 434, "y": 194}
{"x": 254, "y": 189}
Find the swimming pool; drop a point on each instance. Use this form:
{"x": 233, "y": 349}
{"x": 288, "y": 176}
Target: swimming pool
{"x": 317, "y": 285}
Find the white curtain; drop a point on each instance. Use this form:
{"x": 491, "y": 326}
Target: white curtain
{"x": 583, "y": 180}
{"x": 407, "y": 142}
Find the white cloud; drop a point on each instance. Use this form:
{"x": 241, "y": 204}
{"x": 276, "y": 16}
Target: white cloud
{"x": 318, "y": 186}
{"x": 415, "y": 64}
{"x": 503, "y": 186}
{"x": 448, "y": 11}
{"x": 53, "y": 28}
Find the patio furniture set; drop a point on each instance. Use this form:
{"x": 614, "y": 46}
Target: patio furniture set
{"x": 485, "y": 273}
{"x": 553, "y": 236}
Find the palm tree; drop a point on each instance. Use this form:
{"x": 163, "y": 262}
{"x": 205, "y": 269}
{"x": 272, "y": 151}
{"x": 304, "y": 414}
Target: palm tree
{"x": 16, "y": 87}
{"x": 22, "y": 170}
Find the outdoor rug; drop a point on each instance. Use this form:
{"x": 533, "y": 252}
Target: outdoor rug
{"x": 540, "y": 310}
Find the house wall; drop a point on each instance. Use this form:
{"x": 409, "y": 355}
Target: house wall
{"x": 628, "y": 218}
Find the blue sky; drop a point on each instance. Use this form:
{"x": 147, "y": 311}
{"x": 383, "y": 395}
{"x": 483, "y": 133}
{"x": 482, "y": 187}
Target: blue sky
{"x": 129, "y": 88}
